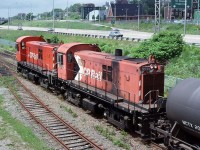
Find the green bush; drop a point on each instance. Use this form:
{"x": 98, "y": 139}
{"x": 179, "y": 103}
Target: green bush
{"x": 186, "y": 65}
{"x": 54, "y": 39}
{"x": 163, "y": 46}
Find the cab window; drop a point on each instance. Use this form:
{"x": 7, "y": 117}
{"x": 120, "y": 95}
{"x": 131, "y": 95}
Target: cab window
{"x": 17, "y": 46}
{"x": 23, "y": 45}
{"x": 69, "y": 57}
{"x": 60, "y": 58}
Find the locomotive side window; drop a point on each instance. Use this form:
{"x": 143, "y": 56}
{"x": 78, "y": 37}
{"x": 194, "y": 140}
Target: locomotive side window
{"x": 109, "y": 73}
{"x": 39, "y": 53}
{"x": 104, "y": 68}
{"x": 60, "y": 59}
{"x": 69, "y": 57}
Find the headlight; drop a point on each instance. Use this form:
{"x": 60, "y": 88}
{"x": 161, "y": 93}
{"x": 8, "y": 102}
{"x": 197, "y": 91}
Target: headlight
{"x": 151, "y": 66}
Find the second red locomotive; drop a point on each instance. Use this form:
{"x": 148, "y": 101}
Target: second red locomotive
{"x": 126, "y": 90}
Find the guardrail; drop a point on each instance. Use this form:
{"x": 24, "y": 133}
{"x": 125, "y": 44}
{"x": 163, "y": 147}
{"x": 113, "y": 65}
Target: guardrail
{"x": 100, "y": 36}
{"x": 108, "y": 37}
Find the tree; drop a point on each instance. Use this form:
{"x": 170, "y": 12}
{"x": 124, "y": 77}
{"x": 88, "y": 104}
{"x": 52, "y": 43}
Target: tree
{"x": 46, "y": 15}
{"x": 58, "y": 13}
{"x": 29, "y": 16}
{"x": 75, "y": 8}
{"x": 164, "y": 46}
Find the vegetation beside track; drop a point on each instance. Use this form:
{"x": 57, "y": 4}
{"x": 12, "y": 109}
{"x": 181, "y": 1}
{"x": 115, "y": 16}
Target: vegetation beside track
{"x": 107, "y": 45}
{"x": 58, "y": 24}
{"x": 147, "y": 26}
{"x": 187, "y": 65}
{"x": 111, "y": 135}
{"x": 11, "y": 124}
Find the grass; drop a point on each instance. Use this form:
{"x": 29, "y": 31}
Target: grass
{"x": 133, "y": 25}
{"x": 149, "y": 26}
{"x": 59, "y": 24}
{"x": 187, "y": 65}
{"x": 111, "y": 135}
{"x": 107, "y": 45}
{"x": 25, "y": 132}
{"x": 9, "y": 48}
{"x": 69, "y": 110}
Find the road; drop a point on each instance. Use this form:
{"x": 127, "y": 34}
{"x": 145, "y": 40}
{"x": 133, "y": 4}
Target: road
{"x": 127, "y": 33}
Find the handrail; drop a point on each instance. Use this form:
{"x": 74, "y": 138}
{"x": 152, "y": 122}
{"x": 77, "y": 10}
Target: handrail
{"x": 149, "y": 93}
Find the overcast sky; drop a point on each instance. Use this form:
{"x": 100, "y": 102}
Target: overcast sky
{"x": 38, "y": 6}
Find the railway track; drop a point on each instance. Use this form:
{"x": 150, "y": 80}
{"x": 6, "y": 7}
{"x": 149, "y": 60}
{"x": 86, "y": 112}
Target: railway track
{"x": 64, "y": 133}
{"x": 53, "y": 124}
{"x": 7, "y": 54}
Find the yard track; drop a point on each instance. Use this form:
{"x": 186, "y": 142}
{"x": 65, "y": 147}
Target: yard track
{"x": 63, "y": 132}
{"x": 53, "y": 124}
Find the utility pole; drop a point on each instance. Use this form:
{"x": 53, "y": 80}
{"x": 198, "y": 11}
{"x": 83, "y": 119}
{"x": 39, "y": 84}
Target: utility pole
{"x": 198, "y": 13}
{"x": 67, "y": 15}
{"x": 126, "y": 13}
{"x": 8, "y": 18}
{"x": 94, "y": 14}
{"x": 115, "y": 12}
{"x": 138, "y": 15}
{"x": 99, "y": 14}
{"x": 168, "y": 15}
{"x": 185, "y": 17}
{"x": 31, "y": 13}
{"x": 67, "y": 9}
{"x": 53, "y": 16}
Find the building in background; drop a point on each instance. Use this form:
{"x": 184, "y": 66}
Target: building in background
{"x": 124, "y": 11}
{"x": 168, "y": 13}
{"x": 86, "y": 8}
{"x": 95, "y": 15}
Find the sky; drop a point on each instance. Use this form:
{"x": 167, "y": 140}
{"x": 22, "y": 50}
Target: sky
{"x": 37, "y": 6}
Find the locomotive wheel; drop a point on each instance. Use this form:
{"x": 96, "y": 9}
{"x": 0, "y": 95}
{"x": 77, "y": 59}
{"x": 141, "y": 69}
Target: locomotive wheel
{"x": 73, "y": 97}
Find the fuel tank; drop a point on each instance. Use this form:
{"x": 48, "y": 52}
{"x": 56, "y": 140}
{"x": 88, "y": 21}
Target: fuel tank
{"x": 183, "y": 105}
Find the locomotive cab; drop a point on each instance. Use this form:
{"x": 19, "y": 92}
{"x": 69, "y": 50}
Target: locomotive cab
{"x": 67, "y": 64}
{"x": 21, "y": 46}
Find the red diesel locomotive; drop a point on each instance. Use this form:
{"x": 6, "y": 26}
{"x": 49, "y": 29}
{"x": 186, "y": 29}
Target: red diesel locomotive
{"x": 125, "y": 90}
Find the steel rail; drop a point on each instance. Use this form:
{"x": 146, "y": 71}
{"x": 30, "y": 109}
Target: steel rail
{"x": 94, "y": 145}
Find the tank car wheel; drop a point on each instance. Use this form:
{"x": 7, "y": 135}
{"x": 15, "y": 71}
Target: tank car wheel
{"x": 166, "y": 141}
